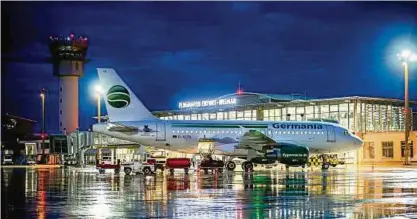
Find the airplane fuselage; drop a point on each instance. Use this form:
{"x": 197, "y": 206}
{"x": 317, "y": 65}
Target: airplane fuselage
{"x": 183, "y": 136}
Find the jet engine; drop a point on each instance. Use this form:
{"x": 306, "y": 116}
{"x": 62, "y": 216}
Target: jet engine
{"x": 285, "y": 153}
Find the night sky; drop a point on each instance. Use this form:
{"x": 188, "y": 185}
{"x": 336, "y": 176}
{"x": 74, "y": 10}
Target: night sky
{"x": 173, "y": 51}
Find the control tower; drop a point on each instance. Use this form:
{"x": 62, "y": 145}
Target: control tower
{"x": 68, "y": 55}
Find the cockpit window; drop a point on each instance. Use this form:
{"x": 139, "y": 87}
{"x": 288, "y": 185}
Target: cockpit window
{"x": 346, "y": 132}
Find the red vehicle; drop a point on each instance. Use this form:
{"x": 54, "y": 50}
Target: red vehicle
{"x": 178, "y": 163}
{"x": 209, "y": 164}
{"x": 105, "y": 165}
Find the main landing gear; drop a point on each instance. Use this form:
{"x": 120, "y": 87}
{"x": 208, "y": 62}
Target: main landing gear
{"x": 246, "y": 166}
{"x": 230, "y": 165}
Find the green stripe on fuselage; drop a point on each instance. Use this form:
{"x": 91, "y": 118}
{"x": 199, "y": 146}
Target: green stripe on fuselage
{"x": 217, "y": 126}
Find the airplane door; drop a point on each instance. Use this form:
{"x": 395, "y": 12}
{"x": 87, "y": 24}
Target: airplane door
{"x": 331, "y": 134}
{"x": 160, "y": 132}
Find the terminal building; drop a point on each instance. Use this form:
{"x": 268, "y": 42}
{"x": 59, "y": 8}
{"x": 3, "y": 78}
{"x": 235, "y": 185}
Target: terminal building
{"x": 379, "y": 122}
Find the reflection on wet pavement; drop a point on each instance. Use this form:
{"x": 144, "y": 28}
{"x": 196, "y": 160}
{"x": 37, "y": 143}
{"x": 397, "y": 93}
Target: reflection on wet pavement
{"x": 69, "y": 193}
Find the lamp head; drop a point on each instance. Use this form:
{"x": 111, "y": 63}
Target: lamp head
{"x": 407, "y": 56}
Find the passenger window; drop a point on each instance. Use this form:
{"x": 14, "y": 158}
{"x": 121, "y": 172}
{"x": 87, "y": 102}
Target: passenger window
{"x": 346, "y": 132}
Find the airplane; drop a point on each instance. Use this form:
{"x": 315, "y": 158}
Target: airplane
{"x": 256, "y": 142}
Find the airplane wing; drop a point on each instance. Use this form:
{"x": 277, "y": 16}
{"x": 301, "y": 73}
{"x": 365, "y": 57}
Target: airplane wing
{"x": 117, "y": 127}
{"x": 257, "y": 141}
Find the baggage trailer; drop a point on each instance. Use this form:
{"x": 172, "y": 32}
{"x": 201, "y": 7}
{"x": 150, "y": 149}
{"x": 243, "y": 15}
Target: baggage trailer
{"x": 103, "y": 166}
{"x": 178, "y": 163}
{"x": 209, "y": 164}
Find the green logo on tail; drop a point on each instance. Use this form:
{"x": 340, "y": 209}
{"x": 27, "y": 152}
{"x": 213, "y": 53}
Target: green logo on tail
{"x": 118, "y": 97}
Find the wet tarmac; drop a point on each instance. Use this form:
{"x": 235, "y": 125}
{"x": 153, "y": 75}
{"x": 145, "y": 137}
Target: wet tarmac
{"x": 337, "y": 193}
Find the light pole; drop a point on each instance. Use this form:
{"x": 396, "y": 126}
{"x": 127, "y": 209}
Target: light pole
{"x": 406, "y": 57}
{"x": 98, "y": 92}
{"x": 43, "y": 96}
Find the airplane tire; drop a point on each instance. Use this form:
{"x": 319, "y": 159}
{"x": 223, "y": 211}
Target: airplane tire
{"x": 230, "y": 165}
{"x": 247, "y": 166}
{"x": 128, "y": 171}
{"x": 220, "y": 170}
{"x": 171, "y": 171}
{"x": 147, "y": 170}
{"x": 186, "y": 170}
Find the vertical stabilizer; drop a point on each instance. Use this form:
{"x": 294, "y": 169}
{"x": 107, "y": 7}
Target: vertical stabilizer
{"x": 121, "y": 103}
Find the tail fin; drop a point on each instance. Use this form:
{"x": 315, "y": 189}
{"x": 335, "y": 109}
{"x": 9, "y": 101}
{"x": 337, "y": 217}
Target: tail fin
{"x": 121, "y": 103}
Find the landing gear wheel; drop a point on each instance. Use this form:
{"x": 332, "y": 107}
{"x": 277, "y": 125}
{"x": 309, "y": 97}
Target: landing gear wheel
{"x": 171, "y": 171}
{"x": 101, "y": 171}
{"x": 127, "y": 171}
{"x": 325, "y": 166}
{"x": 220, "y": 170}
{"x": 186, "y": 170}
{"x": 247, "y": 166}
{"x": 147, "y": 170}
{"x": 230, "y": 165}
{"x": 116, "y": 171}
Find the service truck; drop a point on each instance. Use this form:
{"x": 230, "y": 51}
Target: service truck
{"x": 145, "y": 164}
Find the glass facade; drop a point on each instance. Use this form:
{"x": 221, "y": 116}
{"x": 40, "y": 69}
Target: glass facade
{"x": 358, "y": 115}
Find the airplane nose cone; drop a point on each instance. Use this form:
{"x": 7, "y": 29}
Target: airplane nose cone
{"x": 358, "y": 142}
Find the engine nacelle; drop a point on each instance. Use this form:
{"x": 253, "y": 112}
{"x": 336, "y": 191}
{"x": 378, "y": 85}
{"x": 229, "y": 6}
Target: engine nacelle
{"x": 285, "y": 153}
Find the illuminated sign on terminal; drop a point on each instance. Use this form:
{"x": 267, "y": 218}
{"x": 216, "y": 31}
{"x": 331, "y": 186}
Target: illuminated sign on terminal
{"x": 207, "y": 103}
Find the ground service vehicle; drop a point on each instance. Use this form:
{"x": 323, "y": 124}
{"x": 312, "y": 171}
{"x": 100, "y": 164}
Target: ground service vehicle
{"x": 7, "y": 159}
{"x": 145, "y": 165}
{"x": 178, "y": 163}
{"x": 209, "y": 164}
{"x": 103, "y": 166}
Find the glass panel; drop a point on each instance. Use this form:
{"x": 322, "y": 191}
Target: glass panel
{"x": 248, "y": 114}
{"x": 199, "y": 116}
{"x": 334, "y": 108}
{"x": 239, "y": 115}
{"x": 300, "y": 110}
{"x": 180, "y": 117}
{"x": 291, "y": 110}
{"x": 317, "y": 113}
{"x": 193, "y": 116}
{"x": 324, "y": 109}
{"x": 187, "y": 117}
{"x": 220, "y": 116}
{"x": 277, "y": 112}
{"x": 232, "y": 115}
{"x": 254, "y": 114}
{"x": 212, "y": 116}
{"x": 205, "y": 116}
{"x": 387, "y": 149}
{"x": 271, "y": 113}
{"x": 344, "y": 107}
{"x": 266, "y": 113}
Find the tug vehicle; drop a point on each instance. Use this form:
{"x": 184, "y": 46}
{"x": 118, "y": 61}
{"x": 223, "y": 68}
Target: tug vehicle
{"x": 145, "y": 165}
